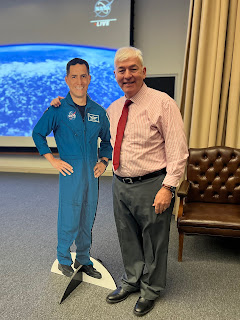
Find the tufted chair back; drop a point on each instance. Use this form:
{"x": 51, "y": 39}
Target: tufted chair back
{"x": 214, "y": 175}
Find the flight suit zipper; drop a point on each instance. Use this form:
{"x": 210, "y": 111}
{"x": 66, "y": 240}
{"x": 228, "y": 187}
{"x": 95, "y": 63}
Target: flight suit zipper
{"x": 84, "y": 130}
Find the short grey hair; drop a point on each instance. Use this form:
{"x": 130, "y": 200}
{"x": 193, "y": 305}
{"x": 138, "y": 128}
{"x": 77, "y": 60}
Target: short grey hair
{"x": 125, "y": 53}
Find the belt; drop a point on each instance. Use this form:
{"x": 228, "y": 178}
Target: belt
{"x": 141, "y": 178}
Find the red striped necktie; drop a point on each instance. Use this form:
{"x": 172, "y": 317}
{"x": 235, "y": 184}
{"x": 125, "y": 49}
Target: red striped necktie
{"x": 119, "y": 136}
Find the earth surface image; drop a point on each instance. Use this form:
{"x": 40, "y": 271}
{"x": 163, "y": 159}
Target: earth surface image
{"x": 32, "y": 75}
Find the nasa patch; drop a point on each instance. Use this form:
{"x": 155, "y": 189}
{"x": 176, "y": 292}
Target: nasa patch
{"x": 72, "y": 115}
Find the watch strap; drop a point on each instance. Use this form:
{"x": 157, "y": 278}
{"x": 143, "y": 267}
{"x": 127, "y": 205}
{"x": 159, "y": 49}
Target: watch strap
{"x": 104, "y": 162}
{"x": 170, "y": 188}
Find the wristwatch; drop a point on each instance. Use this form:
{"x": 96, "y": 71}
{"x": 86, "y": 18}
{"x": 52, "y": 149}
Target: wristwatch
{"x": 170, "y": 188}
{"x": 104, "y": 162}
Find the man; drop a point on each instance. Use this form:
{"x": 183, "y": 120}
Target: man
{"x": 76, "y": 124}
{"x": 152, "y": 160}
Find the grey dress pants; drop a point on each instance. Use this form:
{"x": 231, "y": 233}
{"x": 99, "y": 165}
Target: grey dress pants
{"x": 143, "y": 235}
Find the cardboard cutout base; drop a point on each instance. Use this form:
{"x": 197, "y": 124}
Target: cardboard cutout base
{"x": 106, "y": 281}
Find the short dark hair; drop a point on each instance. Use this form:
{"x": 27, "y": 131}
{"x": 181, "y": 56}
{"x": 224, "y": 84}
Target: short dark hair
{"x": 75, "y": 61}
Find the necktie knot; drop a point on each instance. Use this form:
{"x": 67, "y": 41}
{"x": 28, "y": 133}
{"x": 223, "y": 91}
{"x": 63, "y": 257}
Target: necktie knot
{"x": 127, "y": 103}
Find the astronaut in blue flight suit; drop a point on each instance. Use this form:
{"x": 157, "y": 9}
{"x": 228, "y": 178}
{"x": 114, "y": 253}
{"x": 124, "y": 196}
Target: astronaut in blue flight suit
{"x": 76, "y": 125}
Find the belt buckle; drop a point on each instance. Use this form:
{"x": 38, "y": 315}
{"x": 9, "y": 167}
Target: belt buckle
{"x": 127, "y": 180}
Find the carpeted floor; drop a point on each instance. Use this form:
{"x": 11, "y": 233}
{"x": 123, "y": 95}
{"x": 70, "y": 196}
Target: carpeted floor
{"x": 206, "y": 285}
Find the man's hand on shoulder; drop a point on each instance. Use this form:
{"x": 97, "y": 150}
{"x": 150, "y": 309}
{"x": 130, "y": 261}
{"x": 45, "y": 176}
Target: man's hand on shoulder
{"x": 162, "y": 200}
{"x": 56, "y": 102}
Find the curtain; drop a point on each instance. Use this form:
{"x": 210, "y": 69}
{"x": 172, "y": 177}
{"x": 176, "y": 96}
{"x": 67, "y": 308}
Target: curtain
{"x": 210, "y": 97}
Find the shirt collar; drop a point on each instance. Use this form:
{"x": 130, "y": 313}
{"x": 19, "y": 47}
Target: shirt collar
{"x": 71, "y": 102}
{"x": 139, "y": 95}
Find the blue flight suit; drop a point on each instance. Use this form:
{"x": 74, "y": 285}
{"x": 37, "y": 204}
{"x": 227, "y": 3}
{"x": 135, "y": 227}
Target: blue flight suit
{"x": 78, "y": 193}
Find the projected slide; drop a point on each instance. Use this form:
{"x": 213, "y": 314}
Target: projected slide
{"x": 32, "y": 75}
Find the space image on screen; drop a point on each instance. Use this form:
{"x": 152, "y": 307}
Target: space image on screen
{"x": 35, "y": 49}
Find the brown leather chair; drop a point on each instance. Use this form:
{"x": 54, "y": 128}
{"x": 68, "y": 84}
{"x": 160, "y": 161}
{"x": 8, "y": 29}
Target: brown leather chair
{"x": 210, "y": 197}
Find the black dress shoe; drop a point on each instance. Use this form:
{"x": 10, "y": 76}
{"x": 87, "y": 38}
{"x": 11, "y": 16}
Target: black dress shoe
{"x": 66, "y": 270}
{"x": 118, "y": 295}
{"x": 89, "y": 270}
{"x": 143, "y": 306}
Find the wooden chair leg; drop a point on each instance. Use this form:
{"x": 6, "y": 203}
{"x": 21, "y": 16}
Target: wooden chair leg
{"x": 180, "y": 248}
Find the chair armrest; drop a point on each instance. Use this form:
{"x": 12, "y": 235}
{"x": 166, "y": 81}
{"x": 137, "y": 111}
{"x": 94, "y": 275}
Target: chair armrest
{"x": 183, "y": 189}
